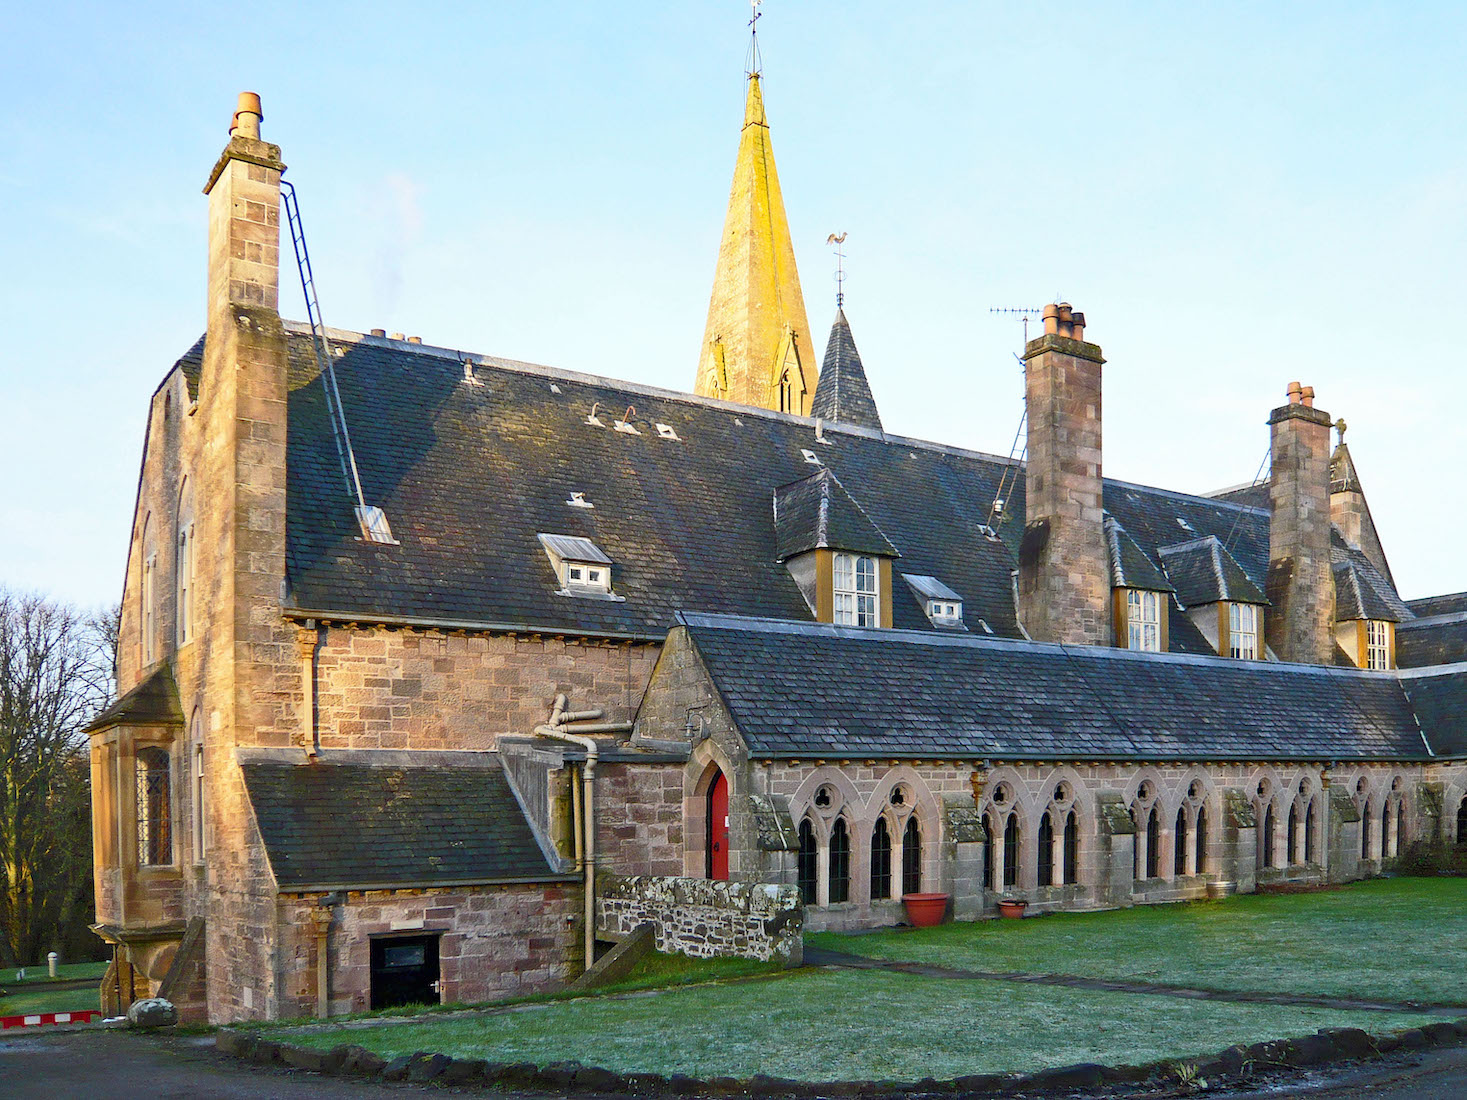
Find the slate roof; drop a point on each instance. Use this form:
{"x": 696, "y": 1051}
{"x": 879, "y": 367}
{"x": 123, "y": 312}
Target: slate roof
{"x": 363, "y": 819}
{"x": 154, "y": 702}
{"x": 1440, "y": 702}
{"x": 817, "y": 512}
{"x": 1204, "y": 572}
{"x": 1356, "y": 598}
{"x": 812, "y": 690}
{"x": 1434, "y": 640}
{"x": 843, "y": 394}
{"x": 468, "y": 475}
{"x": 1449, "y": 604}
{"x": 1129, "y": 565}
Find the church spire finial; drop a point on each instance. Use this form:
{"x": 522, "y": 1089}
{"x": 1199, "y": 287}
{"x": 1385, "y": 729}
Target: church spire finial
{"x": 840, "y": 268}
{"x": 754, "y": 63}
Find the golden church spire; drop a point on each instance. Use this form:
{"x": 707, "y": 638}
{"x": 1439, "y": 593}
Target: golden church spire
{"x": 756, "y": 347}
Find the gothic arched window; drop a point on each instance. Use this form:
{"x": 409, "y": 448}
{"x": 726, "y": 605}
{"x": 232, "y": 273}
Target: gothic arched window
{"x": 1291, "y": 852}
{"x": 1072, "y": 849}
{"x": 1011, "y": 850}
{"x": 988, "y": 827}
{"x": 840, "y": 862}
{"x": 1365, "y": 831}
{"x": 912, "y": 857}
{"x": 808, "y": 864}
{"x": 1309, "y": 833}
{"x": 1153, "y": 844}
{"x": 154, "y": 807}
{"x": 1266, "y": 842}
{"x": 880, "y": 861}
{"x": 1179, "y": 844}
{"x": 1200, "y": 839}
{"x": 1046, "y": 850}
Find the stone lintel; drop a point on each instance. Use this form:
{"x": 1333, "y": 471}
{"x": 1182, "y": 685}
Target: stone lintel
{"x": 249, "y": 150}
{"x": 1080, "y": 349}
{"x": 1300, "y": 412}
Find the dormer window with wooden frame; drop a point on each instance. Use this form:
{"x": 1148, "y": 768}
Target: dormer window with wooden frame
{"x": 581, "y": 567}
{"x": 1365, "y": 620}
{"x": 1218, "y": 596}
{"x": 836, "y": 555}
{"x": 1140, "y": 593}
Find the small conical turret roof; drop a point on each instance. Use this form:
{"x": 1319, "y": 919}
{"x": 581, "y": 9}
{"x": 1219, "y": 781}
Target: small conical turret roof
{"x": 843, "y": 395}
{"x": 756, "y": 346}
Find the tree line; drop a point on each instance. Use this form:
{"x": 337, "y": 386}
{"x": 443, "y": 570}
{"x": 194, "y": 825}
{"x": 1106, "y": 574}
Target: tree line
{"x": 57, "y": 671}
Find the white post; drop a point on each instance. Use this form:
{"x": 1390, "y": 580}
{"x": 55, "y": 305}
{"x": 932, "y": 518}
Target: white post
{"x": 51, "y": 964}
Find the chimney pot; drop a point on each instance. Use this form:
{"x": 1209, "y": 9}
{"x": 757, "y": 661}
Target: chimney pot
{"x": 1051, "y": 319}
{"x": 248, "y": 115}
{"x": 1307, "y": 396}
{"x": 1295, "y": 391}
{"x": 415, "y": 340}
{"x": 379, "y": 332}
{"x": 1077, "y": 323}
{"x": 398, "y": 336}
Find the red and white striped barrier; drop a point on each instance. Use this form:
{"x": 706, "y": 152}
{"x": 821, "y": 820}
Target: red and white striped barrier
{"x": 40, "y": 1019}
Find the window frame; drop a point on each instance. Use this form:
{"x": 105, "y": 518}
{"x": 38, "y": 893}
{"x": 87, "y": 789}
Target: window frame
{"x": 1237, "y": 631}
{"x": 1143, "y": 632}
{"x": 838, "y": 865}
{"x": 1377, "y": 645}
{"x": 595, "y": 576}
{"x": 153, "y": 807}
{"x": 881, "y": 860}
{"x": 851, "y": 604}
{"x": 912, "y": 857}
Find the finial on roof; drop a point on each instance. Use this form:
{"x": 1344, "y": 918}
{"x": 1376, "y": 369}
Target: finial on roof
{"x": 1340, "y": 427}
{"x": 754, "y": 63}
{"x": 840, "y": 268}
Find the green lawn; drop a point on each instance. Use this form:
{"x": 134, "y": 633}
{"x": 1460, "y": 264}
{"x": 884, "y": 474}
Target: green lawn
{"x": 38, "y": 974}
{"x": 823, "y": 1025}
{"x": 1391, "y": 939}
{"x": 47, "y": 1000}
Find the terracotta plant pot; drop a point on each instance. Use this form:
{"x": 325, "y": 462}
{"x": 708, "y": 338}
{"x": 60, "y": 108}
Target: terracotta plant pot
{"x": 1012, "y": 909}
{"x": 925, "y": 910}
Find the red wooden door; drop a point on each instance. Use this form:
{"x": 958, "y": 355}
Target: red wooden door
{"x": 718, "y": 828}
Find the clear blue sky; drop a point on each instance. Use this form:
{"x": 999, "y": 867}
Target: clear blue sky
{"x": 1236, "y": 197}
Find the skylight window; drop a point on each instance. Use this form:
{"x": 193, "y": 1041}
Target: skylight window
{"x": 810, "y": 456}
{"x": 666, "y": 431}
{"x": 375, "y": 527}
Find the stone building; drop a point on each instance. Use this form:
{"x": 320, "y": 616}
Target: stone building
{"x": 426, "y": 712}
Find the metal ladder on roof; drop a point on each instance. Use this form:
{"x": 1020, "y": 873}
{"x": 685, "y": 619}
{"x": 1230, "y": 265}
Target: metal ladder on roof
{"x": 372, "y": 520}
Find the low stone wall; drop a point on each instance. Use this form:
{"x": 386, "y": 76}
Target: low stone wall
{"x": 704, "y": 918}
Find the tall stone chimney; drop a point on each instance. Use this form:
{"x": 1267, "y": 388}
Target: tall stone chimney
{"x": 1299, "y": 624}
{"x": 1064, "y": 572}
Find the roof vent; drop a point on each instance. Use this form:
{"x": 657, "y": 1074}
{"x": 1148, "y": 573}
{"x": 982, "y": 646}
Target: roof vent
{"x": 1184, "y": 525}
{"x": 820, "y": 433}
{"x": 625, "y": 423}
{"x": 375, "y": 527}
{"x": 810, "y": 456}
{"x": 666, "y": 431}
{"x": 469, "y": 376}
{"x": 554, "y": 388}
{"x": 578, "y": 500}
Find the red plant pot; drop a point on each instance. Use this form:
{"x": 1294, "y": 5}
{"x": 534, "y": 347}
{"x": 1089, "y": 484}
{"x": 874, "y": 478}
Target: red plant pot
{"x": 925, "y": 910}
{"x": 1012, "y": 910}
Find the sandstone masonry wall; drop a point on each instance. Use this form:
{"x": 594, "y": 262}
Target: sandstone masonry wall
{"x": 703, "y": 918}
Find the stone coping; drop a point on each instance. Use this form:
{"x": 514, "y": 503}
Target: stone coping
{"x": 1235, "y": 1066}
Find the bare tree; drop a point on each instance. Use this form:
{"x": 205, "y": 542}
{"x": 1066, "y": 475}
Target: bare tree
{"x": 55, "y": 674}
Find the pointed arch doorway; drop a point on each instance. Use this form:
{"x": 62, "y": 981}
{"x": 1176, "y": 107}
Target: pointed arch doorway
{"x": 717, "y": 827}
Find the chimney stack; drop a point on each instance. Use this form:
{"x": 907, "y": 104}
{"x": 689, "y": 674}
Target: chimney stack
{"x": 1064, "y": 568}
{"x": 1301, "y": 588}
{"x": 244, "y": 218}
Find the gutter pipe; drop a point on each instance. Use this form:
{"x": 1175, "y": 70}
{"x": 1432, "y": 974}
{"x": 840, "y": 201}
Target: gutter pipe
{"x": 582, "y": 799}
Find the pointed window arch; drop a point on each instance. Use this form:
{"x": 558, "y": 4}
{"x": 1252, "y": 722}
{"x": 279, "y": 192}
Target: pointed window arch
{"x": 1309, "y": 833}
{"x": 1072, "y": 849}
{"x": 1291, "y": 852}
{"x": 1011, "y": 851}
{"x": 1387, "y": 841}
{"x": 1266, "y": 841}
{"x": 880, "y": 861}
{"x": 1365, "y": 831}
{"x": 912, "y": 857}
{"x": 988, "y": 829}
{"x": 1179, "y": 844}
{"x": 183, "y": 567}
{"x": 1400, "y": 831}
{"x": 1153, "y": 843}
{"x": 1199, "y": 839}
{"x": 840, "y": 862}
{"x": 808, "y": 864}
{"x": 1046, "y": 850}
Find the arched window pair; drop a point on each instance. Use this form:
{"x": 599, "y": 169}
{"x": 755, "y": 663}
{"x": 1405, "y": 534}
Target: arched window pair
{"x": 838, "y": 865}
{"x": 1300, "y": 836}
{"x": 1001, "y": 843}
{"x": 1146, "y": 816}
{"x": 881, "y": 859}
{"x": 1191, "y": 839}
{"x": 1058, "y": 865}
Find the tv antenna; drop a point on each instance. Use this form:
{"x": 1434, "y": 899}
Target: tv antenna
{"x": 755, "y": 62}
{"x": 1022, "y": 313}
{"x": 840, "y": 268}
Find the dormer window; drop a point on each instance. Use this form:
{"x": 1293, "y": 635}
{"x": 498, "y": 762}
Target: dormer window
{"x": 1143, "y": 620}
{"x": 857, "y": 595}
{"x": 945, "y": 612}
{"x": 1243, "y": 631}
{"x": 581, "y": 567}
{"x": 942, "y": 605}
